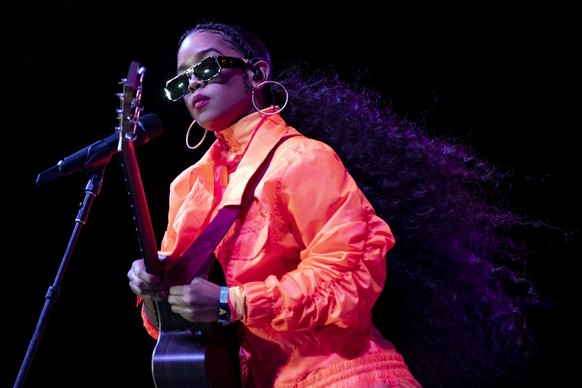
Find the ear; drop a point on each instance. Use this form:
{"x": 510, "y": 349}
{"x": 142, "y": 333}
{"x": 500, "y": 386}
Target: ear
{"x": 260, "y": 71}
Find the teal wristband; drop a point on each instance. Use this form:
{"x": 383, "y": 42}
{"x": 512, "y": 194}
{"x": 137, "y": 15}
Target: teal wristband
{"x": 224, "y": 313}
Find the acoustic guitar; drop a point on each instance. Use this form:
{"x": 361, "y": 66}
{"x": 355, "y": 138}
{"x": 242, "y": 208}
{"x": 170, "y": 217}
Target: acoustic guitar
{"x": 186, "y": 354}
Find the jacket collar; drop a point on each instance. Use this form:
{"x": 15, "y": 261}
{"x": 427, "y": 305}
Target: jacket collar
{"x": 266, "y": 131}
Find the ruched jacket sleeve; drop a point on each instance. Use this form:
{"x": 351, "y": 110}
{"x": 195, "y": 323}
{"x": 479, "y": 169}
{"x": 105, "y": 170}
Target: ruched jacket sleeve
{"x": 341, "y": 245}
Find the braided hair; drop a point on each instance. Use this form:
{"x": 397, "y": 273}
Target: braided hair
{"x": 453, "y": 302}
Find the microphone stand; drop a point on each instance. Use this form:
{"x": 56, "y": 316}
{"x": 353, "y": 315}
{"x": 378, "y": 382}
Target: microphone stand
{"x": 91, "y": 191}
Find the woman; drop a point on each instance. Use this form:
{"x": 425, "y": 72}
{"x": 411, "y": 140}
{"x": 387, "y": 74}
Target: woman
{"x": 306, "y": 263}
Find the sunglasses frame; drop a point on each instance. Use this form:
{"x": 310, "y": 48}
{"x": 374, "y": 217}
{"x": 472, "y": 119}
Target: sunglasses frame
{"x": 222, "y": 62}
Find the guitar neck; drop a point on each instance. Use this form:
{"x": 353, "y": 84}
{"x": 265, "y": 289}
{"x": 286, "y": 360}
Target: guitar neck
{"x": 141, "y": 215}
{"x": 128, "y": 115}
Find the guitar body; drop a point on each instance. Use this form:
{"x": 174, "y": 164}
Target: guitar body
{"x": 190, "y": 354}
{"x": 179, "y": 357}
{"x": 195, "y": 354}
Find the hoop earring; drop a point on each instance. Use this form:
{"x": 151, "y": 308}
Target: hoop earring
{"x": 188, "y": 135}
{"x": 278, "y": 110}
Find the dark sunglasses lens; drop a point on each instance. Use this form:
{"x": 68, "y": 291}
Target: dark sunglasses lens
{"x": 207, "y": 69}
{"x": 177, "y": 87}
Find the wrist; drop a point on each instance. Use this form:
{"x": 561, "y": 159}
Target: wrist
{"x": 225, "y": 311}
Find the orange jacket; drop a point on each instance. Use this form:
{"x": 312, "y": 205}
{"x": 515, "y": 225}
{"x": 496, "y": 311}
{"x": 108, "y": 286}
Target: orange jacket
{"x": 305, "y": 265}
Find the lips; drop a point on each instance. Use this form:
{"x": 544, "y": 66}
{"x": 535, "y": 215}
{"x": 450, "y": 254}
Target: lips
{"x": 199, "y": 101}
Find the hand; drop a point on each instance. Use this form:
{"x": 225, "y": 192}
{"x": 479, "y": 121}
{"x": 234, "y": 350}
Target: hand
{"x": 197, "y": 301}
{"x": 144, "y": 284}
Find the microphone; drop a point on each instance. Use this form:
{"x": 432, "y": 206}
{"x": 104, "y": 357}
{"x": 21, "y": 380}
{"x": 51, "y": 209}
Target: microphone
{"x": 97, "y": 154}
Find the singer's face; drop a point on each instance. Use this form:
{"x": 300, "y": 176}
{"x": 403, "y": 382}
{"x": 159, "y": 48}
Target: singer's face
{"x": 221, "y": 101}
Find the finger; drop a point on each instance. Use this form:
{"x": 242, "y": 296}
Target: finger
{"x": 154, "y": 294}
{"x": 178, "y": 290}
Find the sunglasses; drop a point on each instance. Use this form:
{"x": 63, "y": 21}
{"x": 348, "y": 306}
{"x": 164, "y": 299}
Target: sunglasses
{"x": 204, "y": 70}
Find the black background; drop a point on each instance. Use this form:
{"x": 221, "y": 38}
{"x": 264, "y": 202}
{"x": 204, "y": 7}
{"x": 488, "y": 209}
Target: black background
{"x": 504, "y": 79}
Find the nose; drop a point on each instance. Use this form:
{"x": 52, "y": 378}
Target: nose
{"x": 194, "y": 83}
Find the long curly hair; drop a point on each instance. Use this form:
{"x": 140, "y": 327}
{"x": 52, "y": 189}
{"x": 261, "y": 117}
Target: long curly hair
{"x": 458, "y": 282}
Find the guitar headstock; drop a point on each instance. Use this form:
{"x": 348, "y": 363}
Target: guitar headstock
{"x": 130, "y": 104}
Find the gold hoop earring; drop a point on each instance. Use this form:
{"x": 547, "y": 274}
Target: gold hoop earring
{"x": 275, "y": 111}
{"x": 188, "y": 135}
